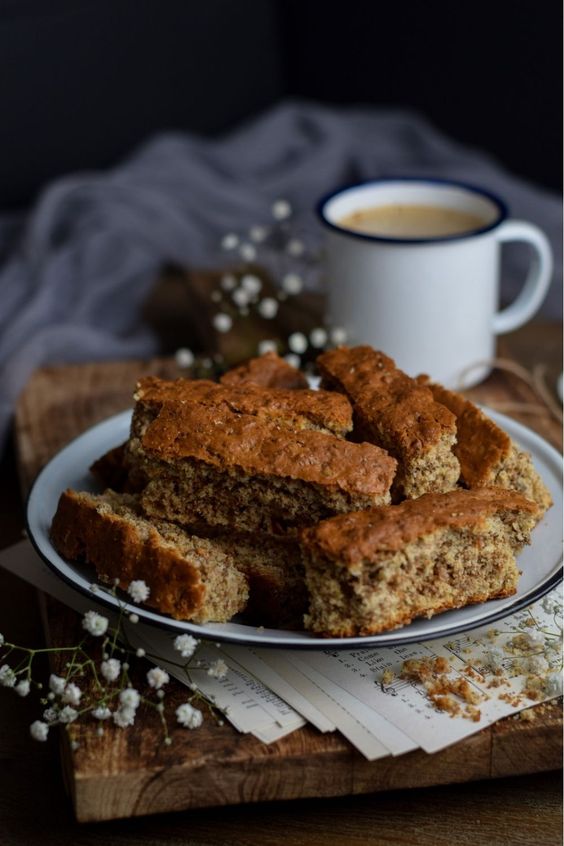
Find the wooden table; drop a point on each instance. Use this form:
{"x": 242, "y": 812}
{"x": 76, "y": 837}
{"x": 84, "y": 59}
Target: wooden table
{"x": 35, "y": 810}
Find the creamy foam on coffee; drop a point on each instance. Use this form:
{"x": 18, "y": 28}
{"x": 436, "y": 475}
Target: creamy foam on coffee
{"x": 411, "y": 221}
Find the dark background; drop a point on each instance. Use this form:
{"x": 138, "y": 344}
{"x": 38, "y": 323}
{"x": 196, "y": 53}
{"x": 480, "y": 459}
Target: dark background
{"x": 82, "y": 82}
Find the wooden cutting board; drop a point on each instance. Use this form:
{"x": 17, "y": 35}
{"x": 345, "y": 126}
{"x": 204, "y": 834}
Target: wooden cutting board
{"x": 130, "y": 773}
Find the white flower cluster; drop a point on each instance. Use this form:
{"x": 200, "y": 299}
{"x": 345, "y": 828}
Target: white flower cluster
{"x": 188, "y": 716}
{"x": 95, "y": 624}
{"x": 186, "y": 645}
{"x": 129, "y": 700}
{"x": 138, "y": 590}
{"x": 218, "y": 670}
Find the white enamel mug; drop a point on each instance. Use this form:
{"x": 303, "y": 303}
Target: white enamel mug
{"x": 430, "y": 303}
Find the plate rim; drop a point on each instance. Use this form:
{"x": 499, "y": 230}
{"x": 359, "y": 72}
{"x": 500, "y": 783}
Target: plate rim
{"x": 300, "y": 642}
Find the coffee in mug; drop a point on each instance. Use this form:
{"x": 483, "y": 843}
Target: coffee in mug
{"x": 409, "y": 221}
{"x": 412, "y": 268}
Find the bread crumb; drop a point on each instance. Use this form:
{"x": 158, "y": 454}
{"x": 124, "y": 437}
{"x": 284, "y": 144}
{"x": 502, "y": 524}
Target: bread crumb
{"x": 528, "y": 715}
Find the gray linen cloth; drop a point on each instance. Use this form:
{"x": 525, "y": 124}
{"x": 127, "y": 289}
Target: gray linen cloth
{"x": 75, "y": 272}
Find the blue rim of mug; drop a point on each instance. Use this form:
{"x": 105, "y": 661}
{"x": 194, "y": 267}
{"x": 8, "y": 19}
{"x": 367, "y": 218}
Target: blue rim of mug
{"x": 421, "y": 180}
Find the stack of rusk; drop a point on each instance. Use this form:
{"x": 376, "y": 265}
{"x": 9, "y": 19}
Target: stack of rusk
{"x": 262, "y": 497}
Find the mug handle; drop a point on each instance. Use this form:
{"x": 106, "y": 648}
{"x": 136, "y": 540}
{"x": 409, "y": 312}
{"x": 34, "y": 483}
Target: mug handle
{"x": 538, "y": 279}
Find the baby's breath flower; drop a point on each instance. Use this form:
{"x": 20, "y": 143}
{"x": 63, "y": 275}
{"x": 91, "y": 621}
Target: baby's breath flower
{"x": 71, "y": 694}
{"x": 292, "y": 283}
{"x": 185, "y": 644}
{"x": 268, "y": 308}
{"x": 124, "y": 716}
{"x": 338, "y": 336}
{"x": 240, "y": 297}
{"x": 188, "y": 716}
{"x": 553, "y": 685}
{"x": 133, "y": 618}
{"x": 218, "y": 670}
{"x": 94, "y": 623}
{"x": 184, "y": 357}
{"x": 318, "y": 338}
{"x": 222, "y": 322}
{"x": 160, "y": 708}
{"x": 293, "y": 360}
{"x": 295, "y": 247}
{"x": 248, "y": 252}
{"x": 161, "y": 694}
{"x": 536, "y": 664}
{"x": 281, "y": 210}
{"x": 100, "y": 731}
{"x": 50, "y": 715}
{"x": 228, "y": 282}
{"x": 68, "y": 714}
{"x": 101, "y": 713}
{"x": 533, "y": 638}
{"x": 129, "y": 698}
{"x": 39, "y": 730}
{"x": 266, "y": 346}
{"x": 251, "y": 284}
{"x": 140, "y": 652}
{"x": 157, "y": 677}
{"x": 216, "y": 296}
{"x": 229, "y": 241}
{"x": 57, "y": 684}
{"x": 493, "y": 658}
{"x": 549, "y": 605}
{"x": 297, "y": 342}
{"x": 554, "y": 644}
{"x": 110, "y": 669}
{"x": 7, "y": 676}
{"x": 258, "y": 234}
{"x": 138, "y": 590}
{"x": 22, "y": 688}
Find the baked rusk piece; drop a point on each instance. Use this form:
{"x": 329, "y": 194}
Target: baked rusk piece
{"x": 397, "y": 413}
{"x": 189, "y": 578}
{"x": 306, "y": 409}
{"x": 269, "y": 371}
{"x": 486, "y": 453}
{"x": 380, "y": 569}
{"x": 248, "y": 474}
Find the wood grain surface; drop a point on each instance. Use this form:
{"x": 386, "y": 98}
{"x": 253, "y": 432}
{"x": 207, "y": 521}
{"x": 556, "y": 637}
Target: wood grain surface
{"x": 128, "y": 773}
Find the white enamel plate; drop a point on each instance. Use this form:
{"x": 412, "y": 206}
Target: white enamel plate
{"x": 541, "y": 563}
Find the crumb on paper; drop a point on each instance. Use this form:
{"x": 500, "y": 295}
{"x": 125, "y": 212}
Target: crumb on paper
{"x": 528, "y": 715}
{"x": 443, "y": 692}
{"x": 388, "y": 676}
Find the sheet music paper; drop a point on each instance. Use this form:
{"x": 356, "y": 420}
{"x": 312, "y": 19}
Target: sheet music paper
{"x": 272, "y": 692}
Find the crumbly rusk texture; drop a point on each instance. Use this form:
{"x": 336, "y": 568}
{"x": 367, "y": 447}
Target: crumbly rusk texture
{"x": 397, "y": 413}
{"x": 377, "y": 570}
{"x": 240, "y": 472}
{"x": 268, "y": 370}
{"x": 487, "y": 455}
{"x": 278, "y": 596}
{"x": 306, "y": 409}
{"x": 189, "y": 578}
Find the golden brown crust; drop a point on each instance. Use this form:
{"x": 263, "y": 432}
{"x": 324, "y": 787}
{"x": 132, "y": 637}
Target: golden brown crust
{"x": 297, "y": 409}
{"x": 268, "y": 370}
{"x": 387, "y": 399}
{"x": 359, "y": 536}
{"x": 84, "y": 528}
{"x": 481, "y": 445}
{"x": 223, "y": 439}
